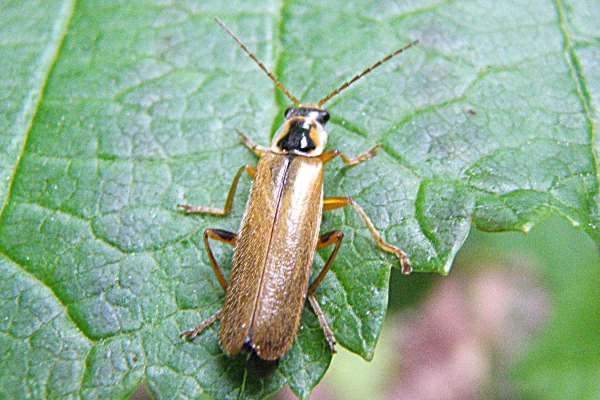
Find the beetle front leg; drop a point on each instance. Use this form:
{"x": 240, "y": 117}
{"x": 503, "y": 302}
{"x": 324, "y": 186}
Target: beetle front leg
{"x": 188, "y": 209}
{"x": 348, "y": 162}
{"x": 249, "y": 143}
{"x": 338, "y": 202}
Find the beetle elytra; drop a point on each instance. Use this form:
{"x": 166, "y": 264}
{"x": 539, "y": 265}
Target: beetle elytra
{"x": 279, "y": 233}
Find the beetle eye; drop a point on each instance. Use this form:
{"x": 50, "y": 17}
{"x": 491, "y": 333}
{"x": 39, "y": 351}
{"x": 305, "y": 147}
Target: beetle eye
{"x": 323, "y": 117}
{"x": 287, "y": 111}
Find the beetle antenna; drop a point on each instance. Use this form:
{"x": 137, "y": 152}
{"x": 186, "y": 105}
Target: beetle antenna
{"x": 347, "y": 84}
{"x": 262, "y": 66}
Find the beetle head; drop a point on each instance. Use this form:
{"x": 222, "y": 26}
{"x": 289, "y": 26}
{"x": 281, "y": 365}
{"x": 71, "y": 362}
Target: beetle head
{"x": 303, "y": 132}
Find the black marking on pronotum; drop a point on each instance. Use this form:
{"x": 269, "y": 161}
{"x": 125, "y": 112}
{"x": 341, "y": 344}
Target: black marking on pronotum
{"x": 298, "y": 137}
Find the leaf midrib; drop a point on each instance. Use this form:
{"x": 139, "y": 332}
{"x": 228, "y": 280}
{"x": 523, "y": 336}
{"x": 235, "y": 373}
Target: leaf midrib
{"x": 576, "y": 70}
{"x": 49, "y": 59}
{"x": 32, "y": 105}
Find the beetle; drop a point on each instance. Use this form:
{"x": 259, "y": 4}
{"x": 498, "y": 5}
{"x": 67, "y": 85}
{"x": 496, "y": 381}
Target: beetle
{"x": 279, "y": 233}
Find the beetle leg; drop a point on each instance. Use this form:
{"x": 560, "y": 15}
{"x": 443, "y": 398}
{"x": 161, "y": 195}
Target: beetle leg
{"x": 222, "y": 236}
{"x": 225, "y": 237}
{"x": 249, "y": 143}
{"x": 188, "y": 209}
{"x": 330, "y": 155}
{"x": 334, "y": 237}
{"x": 192, "y": 333}
{"x": 338, "y": 202}
{"x": 323, "y": 322}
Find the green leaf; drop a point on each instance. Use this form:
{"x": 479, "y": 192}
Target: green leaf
{"x": 114, "y": 112}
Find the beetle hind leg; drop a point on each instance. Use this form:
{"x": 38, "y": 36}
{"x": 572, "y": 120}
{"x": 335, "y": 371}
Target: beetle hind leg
{"x": 222, "y": 236}
{"x": 225, "y": 237}
{"x": 329, "y": 336}
{"x": 334, "y": 237}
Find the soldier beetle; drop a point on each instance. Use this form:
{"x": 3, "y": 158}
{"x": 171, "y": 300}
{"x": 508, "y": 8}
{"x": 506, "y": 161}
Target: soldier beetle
{"x": 279, "y": 233}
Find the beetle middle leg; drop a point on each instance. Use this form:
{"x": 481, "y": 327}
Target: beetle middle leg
{"x": 225, "y": 237}
{"x": 188, "y": 209}
{"x": 334, "y": 237}
{"x": 332, "y": 203}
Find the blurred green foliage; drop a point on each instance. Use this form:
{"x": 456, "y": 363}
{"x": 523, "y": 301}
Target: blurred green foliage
{"x": 560, "y": 360}
{"x": 563, "y": 361}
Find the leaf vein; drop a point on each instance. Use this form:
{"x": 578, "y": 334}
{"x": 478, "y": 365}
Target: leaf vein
{"x": 583, "y": 91}
{"x": 56, "y": 297}
{"x": 32, "y": 106}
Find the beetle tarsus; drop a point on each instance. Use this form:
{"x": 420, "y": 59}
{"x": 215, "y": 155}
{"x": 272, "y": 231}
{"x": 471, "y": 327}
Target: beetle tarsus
{"x": 189, "y": 209}
{"x": 404, "y": 260}
{"x": 329, "y": 336}
{"x": 332, "y": 342}
{"x": 367, "y": 155}
{"x": 350, "y": 162}
{"x": 192, "y": 333}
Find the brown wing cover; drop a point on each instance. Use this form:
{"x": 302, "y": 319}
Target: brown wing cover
{"x": 289, "y": 260}
{"x": 273, "y": 258}
{"x": 251, "y": 252}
